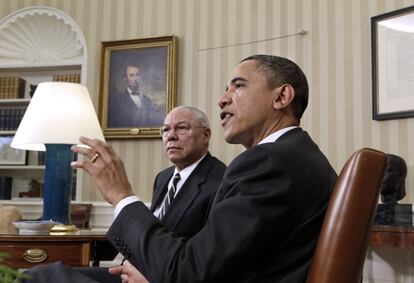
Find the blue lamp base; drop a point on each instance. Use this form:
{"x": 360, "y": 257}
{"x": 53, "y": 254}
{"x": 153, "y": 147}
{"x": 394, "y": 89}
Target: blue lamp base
{"x": 58, "y": 183}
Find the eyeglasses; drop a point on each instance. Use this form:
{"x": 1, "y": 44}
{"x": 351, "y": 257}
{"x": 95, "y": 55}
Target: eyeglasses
{"x": 179, "y": 130}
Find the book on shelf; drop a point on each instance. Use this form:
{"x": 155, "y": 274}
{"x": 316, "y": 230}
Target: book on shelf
{"x": 70, "y": 78}
{"x": 5, "y": 187}
{"x": 10, "y": 118}
{"x": 41, "y": 157}
{"x": 12, "y": 87}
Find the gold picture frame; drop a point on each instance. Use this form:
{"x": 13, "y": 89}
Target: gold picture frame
{"x": 9, "y": 155}
{"x": 137, "y": 86}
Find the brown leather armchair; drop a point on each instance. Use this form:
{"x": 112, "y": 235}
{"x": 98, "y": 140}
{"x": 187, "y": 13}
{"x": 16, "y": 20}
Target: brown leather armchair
{"x": 343, "y": 241}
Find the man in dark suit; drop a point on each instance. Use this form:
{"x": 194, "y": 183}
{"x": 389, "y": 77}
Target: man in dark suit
{"x": 132, "y": 108}
{"x": 186, "y": 134}
{"x": 189, "y": 211}
{"x": 266, "y": 217}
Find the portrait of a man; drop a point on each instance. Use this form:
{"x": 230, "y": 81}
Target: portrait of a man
{"x": 137, "y": 86}
{"x": 132, "y": 107}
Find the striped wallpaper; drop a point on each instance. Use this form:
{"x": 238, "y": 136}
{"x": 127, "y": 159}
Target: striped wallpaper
{"x": 335, "y": 54}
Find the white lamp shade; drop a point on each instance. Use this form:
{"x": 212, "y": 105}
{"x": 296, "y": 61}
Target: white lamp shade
{"x": 59, "y": 113}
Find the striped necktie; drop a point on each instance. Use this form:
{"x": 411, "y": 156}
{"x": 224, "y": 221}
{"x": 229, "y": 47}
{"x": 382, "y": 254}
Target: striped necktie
{"x": 170, "y": 196}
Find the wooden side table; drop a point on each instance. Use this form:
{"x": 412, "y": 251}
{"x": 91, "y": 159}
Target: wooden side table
{"x": 392, "y": 236}
{"x": 74, "y": 249}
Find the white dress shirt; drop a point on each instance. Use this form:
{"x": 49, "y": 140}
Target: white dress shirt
{"x": 136, "y": 98}
{"x": 274, "y": 136}
{"x": 184, "y": 174}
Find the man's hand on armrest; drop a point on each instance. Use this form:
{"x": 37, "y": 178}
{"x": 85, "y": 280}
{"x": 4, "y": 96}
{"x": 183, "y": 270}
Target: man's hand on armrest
{"x": 128, "y": 273}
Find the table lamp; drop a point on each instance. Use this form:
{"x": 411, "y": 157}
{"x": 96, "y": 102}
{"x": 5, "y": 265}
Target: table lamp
{"x": 58, "y": 114}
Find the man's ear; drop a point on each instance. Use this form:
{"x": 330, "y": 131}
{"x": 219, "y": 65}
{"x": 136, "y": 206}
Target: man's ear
{"x": 207, "y": 136}
{"x": 284, "y": 96}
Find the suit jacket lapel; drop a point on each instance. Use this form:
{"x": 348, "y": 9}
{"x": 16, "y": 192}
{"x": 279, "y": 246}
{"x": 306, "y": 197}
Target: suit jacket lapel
{"x": 220, "y": 193}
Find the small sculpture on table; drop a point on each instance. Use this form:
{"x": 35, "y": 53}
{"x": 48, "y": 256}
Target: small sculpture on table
{"x": 390, "y": 212}
{"x": 35, "y": 190}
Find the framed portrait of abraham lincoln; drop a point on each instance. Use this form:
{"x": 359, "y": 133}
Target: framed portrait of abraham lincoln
{"x": 137, "y": 86}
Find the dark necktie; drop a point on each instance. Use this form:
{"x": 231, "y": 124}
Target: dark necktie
{"x": 136, "y": 98}
{"x": 170, "y": 196}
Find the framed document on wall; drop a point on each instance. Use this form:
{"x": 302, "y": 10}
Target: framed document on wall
{"x": 393, "y": 64}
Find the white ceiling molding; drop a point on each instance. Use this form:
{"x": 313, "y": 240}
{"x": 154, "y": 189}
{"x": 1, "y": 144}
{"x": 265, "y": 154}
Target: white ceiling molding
{"x": 40, "y": 36}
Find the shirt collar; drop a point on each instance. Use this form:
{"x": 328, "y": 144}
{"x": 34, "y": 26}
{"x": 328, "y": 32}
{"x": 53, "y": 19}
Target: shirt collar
{"x": 185, "y": 173}
{"x": 274, "y": 136}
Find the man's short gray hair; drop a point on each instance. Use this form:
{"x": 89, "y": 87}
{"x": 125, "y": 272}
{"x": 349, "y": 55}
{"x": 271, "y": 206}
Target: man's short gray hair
{"x": 200, "y": 115}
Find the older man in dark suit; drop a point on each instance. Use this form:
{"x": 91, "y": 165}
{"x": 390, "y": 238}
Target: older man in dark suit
{"x": 186, "y": 135}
